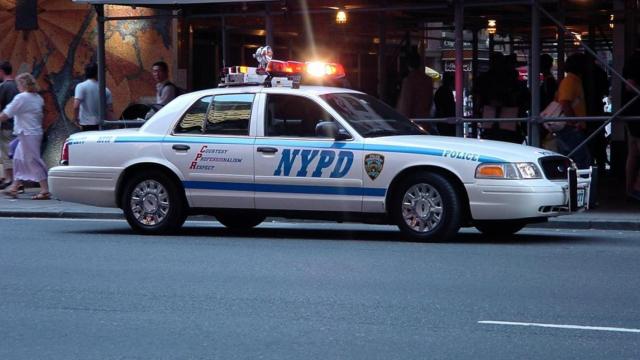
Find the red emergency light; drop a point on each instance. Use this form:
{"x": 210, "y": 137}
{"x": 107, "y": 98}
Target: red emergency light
{"x": 316, "y": 69}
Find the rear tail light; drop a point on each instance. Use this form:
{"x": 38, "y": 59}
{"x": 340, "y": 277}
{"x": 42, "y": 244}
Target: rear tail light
{"x": 64, "y": 155}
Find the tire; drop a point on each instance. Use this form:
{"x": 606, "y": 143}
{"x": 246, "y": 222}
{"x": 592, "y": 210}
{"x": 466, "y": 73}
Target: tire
{"x": 239, "y": 221}
{"x": 499, "y": 227}
{"x": 153, "y": 203}
{"x": 426, "y": 207}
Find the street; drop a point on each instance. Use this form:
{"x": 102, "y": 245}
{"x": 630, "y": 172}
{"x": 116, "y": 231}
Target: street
{"x": 91, "y": 289}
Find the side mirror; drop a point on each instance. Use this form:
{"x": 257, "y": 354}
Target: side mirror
{"x": 329, "y": 129}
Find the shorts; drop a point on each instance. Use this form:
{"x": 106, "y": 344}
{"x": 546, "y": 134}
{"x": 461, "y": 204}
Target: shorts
{"x": 5, "y": 138}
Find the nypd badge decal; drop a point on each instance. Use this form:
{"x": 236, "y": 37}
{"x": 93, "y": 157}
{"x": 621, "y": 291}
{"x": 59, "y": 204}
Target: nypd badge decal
{"x": 373, "y": 164}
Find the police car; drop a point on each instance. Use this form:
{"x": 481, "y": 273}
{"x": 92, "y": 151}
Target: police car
{"x": 263, "y": 145}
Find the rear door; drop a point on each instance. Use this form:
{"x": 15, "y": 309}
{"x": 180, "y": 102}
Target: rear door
{"x": 298, "y": 170}
{"x": 212, "y": 145}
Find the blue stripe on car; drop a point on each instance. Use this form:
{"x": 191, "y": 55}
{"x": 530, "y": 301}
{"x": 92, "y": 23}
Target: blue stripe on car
{"x": 291, "y": 189}
{"x": 422, "y": 151}
{"x": 298, "y": 143}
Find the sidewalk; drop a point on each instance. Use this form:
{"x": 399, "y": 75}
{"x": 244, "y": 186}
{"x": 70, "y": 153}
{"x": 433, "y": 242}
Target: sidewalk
{"x": 614, "y": 213}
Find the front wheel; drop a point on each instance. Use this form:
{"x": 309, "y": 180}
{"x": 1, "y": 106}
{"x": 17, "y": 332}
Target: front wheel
{"x": 238, "y": 221}
{"x": 499, "y": 227}
{"x": 153, "y": 204}
{"x": 426, "y": 207}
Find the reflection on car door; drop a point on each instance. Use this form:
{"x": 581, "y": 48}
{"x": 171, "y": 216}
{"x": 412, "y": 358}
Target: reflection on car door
{"x": 213, "y": 147}
{"x": 296, "y": 169}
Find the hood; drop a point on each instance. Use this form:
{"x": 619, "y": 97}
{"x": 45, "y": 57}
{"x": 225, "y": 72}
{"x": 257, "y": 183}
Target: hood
{"x": 460, "y": 148}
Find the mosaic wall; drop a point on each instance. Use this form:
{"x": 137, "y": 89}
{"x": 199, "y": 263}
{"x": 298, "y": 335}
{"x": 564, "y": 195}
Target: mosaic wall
{"x": 64, "y": 40}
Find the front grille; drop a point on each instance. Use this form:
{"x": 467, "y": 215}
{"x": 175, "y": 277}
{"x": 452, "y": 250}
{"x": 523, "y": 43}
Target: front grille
{"x": 555, "y": 167}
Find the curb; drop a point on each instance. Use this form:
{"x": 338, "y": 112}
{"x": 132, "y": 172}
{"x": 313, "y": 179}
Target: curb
{"x": 551, "y": 224}
{"x": 589, "y": 224}
{"x": 59, "y": 215}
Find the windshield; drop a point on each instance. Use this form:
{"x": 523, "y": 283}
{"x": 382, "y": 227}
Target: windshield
{"x": 371, "y": 117}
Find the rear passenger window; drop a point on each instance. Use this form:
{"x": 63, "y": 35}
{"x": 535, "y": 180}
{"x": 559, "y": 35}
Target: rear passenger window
{"x": 229, "y": 115}
{"x": 293, "y": 116}
{"x": 193, "y": 120}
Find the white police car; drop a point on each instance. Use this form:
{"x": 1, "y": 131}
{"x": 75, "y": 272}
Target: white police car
{"x": 242, "y": 153}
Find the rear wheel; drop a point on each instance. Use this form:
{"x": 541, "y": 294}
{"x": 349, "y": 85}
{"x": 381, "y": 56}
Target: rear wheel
{"x": 499, "y": 227}
{"x": 426, "y": 207}
{"x": 238, "y": 221}
{"x": 153, "y": 204}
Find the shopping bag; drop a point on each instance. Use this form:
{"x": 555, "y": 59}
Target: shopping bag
{"x": 554, "y": 109}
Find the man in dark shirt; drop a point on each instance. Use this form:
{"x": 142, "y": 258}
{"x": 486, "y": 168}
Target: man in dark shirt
{"x": 445, "y": 104}
{"x": 8, "y": 90}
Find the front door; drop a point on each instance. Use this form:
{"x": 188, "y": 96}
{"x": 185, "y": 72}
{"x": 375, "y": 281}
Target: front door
{"x": 212, "y": 146}
{"x": 298, "y": 170}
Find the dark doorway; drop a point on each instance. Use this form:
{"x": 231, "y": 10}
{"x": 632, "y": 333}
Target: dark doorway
{"x": 205, "y": 60}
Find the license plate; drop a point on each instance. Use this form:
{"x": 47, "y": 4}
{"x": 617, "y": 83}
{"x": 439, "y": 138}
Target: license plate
{"x": 580, "y": 197}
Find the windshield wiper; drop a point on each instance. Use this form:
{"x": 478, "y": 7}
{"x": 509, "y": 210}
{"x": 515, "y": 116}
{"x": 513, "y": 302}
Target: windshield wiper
{"x": 380, "y": 132}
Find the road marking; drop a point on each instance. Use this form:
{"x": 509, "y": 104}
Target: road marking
{"x": 557, "y": 326}
{"x": 61, "y": 219}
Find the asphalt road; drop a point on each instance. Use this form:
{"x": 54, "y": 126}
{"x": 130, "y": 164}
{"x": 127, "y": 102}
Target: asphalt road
{"x": 83, "y": 289}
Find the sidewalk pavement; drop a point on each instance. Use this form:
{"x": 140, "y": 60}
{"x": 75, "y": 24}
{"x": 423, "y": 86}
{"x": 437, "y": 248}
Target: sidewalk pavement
{"x": 614, "y": 213}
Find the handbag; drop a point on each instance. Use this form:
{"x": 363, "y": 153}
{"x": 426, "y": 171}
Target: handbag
{"x": 554, "y": 109}
{"x": 12, "y": 147}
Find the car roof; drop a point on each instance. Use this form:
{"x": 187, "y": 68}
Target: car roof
{"x": 308, "y": 90}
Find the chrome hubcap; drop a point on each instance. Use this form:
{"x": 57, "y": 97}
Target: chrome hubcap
{"x": 149, "y": 202}
{"x": 422, "y": 207}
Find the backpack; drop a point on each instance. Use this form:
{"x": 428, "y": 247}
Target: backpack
{"x": 178, "y": 90}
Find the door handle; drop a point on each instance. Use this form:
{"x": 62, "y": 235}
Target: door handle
{"x": 180, "y": 147}
{"x": 267, "y": 150}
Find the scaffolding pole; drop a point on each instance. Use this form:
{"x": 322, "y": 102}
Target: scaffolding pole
{"x": 459, "y": 45}
{"x": 102, "y": 83}
{"x": 223, "y": 34}
{"x": 268, "y": 25}
{"x": 533, "y": 129}
{"x": 382, "y": 68}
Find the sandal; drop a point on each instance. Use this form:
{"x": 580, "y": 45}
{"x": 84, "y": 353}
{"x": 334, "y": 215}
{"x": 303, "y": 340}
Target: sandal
{"x": 11, "y": 193}
{"x": 42, "y": 196}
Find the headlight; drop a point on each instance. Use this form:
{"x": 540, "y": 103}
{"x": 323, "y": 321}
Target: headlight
{"x": 510, "y": 171}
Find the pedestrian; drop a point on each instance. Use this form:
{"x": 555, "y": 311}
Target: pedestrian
{"x": 501, "y": 94}
{"x": 549, "y": 84}
{"x": 631, "y": 72}
{"x": 571, "y": 97}
{"x": 86, "y": 103}
{"x": 27, "y": 111}
{"x": 165, "y": 89}
{"x": 445, "y": 105}
{"x": 548, "y": 89}
{"x": 416, "y": 93}
{"x": 8, "y": 90}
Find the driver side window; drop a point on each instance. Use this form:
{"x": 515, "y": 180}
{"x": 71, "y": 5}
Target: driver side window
{"x": 293, "y": 116}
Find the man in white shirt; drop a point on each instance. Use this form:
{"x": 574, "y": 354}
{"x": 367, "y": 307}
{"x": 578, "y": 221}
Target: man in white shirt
{"x": 165, "y": 89}
{"x": 86, "y": 104}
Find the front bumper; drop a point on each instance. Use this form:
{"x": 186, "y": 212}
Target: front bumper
{"x": 89, "y": 185}
{"x": 520, "y": 199}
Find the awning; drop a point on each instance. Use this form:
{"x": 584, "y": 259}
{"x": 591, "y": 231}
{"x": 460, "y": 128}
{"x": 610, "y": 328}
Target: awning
{"x": 162, "y": 2}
